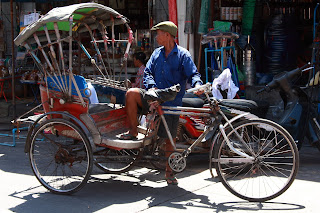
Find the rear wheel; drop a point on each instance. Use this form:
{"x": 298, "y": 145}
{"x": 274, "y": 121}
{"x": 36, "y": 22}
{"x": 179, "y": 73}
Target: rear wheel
{"x": 275, "y": 163}
{"x": 60, "y": 156}
{"x": 116, "y": 161}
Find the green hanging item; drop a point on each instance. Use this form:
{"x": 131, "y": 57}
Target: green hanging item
{"x": 222, "y": 26}
{"x": 204, "y": 17}
{"x": 248, "y": 15}
{"x": 189, "y": 17}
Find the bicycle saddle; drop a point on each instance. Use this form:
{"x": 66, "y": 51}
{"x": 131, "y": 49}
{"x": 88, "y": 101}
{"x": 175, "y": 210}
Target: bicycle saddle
{"x": 162, "y": 95}
{"x": 192, "y": 100}
{"x": 241, "y": 104}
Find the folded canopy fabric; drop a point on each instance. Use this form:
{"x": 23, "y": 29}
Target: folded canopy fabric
{"x": 85, "y": 12}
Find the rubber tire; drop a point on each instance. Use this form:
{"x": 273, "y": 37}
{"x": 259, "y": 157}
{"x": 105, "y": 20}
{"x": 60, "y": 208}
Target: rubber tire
{"x": 88, "y": 157}
{"x": 295, "y": 158}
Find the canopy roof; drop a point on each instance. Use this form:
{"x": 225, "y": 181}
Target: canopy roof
{"x": 89, "y": 13}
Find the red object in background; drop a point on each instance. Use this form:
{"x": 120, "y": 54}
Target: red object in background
{"x": 173, "y": 16}
{"x": 192, "y": 125}
{"x": 151, "y": 23}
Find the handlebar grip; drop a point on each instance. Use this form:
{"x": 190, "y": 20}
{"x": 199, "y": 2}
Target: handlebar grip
{"x": 261, "y": 90}
{"x": 305, "y": 66}
{"x": 266, "y": 88}
{"x": 297, "y": 71}
{"x": 282, "y": 79}
{"x": 197, "y": 88}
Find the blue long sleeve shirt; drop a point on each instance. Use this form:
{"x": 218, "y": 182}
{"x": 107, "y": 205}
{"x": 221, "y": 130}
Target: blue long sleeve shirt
{"x": 178, "y": 67}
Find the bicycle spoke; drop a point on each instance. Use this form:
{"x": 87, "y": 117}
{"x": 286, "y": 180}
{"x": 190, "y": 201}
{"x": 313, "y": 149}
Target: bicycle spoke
{"x": 274, "y": 164}
{"x": 61, "y": 163}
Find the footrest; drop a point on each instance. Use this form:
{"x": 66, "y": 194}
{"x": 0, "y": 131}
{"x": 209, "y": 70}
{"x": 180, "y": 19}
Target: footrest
{"x": 30, "y": 119}
{"x": 114, "y": 141}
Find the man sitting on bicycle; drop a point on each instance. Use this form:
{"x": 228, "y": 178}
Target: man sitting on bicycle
{"x": 168, "y": 65}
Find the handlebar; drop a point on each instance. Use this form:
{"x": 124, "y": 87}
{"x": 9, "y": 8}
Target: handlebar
{"x": 204, "y": 87}
{"x": 284, "y": 76}
{"x": 297, "y": 71}
{"x": 263, "y": 89}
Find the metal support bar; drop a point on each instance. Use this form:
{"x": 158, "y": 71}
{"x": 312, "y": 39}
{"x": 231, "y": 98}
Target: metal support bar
{"x": 13, "y": 136}
{"x": 230, "y": 145}
{"x": 168, "y": 131}
{"x": 221, "y": 50}
{"x": 205, "y": 110}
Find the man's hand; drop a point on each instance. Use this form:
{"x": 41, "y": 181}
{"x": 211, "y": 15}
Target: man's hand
{"x": 198, "y": 92}
{"x": 153, "y": 88}
{"x": 153, "y": 105}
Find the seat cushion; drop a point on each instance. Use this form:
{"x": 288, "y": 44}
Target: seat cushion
{"x": 241, "y": 104}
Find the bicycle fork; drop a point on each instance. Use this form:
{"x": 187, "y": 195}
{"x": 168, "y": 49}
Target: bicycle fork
{"x": 246, "y": 159}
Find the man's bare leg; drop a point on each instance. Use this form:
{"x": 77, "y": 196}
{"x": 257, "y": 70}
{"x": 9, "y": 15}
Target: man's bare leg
{"x": 133, "y": 100}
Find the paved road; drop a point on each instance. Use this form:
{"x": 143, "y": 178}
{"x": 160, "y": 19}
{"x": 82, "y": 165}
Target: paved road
{"x": 144, "y": 190}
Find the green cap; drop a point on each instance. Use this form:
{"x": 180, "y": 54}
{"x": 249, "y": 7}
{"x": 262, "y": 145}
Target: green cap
{"x": 167, "y": 26}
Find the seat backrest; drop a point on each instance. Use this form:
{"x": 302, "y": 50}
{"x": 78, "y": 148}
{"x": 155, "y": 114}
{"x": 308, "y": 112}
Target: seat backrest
{"x": 51, "y": 100}
{"x": 55, "y": 83}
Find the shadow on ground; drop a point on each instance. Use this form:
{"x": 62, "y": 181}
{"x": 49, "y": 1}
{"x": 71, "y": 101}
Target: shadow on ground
{"x": 111, "y": 192}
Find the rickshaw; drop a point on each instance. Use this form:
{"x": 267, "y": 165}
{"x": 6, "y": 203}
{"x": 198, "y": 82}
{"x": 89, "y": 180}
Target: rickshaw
{"x": 255, "y": 159}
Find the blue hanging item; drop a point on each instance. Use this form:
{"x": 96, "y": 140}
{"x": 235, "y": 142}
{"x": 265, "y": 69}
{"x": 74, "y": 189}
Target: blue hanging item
{"x": 233, "y": 69}
{"x": 214, "y": 63}
{"x": 214, "y": 66}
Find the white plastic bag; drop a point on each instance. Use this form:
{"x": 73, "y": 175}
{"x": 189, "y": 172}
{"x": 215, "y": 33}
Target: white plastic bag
{"x": 224, "y": 82}
{"x": 93, "y": 97}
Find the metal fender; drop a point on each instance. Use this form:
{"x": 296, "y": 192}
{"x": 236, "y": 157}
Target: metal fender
{"x": 225, "y": 126}
{"x": 65, "y": 114}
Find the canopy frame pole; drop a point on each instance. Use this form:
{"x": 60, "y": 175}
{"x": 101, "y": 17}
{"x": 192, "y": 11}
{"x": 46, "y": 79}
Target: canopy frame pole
{"x": 97, "y": 49}
{"x": 56, "y": 29}
{"x": 53, "y": 57}
{"x": 105, "y": 42}
{"x": 113, "y": 42}
{"x": 126, "y": 54}
{"x": 35, "y": 36}
{"x": 71, "y": 77}
{"x": 38, "y": 62}
{"x": 70, "y": 60}
{"x": 90, "y": 57}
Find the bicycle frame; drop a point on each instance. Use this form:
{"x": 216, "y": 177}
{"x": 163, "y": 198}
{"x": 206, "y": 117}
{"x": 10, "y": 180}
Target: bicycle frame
{"x": 212, "y": 112}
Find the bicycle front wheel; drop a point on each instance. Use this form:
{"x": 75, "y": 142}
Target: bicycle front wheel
{"x": 275, "y": 163}
{"x": 60, "y": 156}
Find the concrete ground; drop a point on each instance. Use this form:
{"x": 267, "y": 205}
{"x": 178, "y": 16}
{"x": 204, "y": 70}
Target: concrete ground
{"x": 143, "y": 189}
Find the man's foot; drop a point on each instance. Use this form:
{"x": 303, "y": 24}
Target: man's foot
{"x": 171, "y": 179}
{"x": 127, "y": 136}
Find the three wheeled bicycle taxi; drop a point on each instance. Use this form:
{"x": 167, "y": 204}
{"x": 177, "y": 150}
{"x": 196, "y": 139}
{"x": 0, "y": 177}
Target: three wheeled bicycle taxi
{"x": 255, "y": 159}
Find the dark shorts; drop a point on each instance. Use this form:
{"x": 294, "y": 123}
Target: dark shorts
{"x": 145, "y": 105}
{"x": 172, "y": 120}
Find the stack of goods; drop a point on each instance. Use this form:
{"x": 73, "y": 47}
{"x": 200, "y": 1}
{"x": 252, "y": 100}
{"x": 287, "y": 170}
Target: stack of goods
{"x": 3, "y": 72}
{"x": 33, "y": 75}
